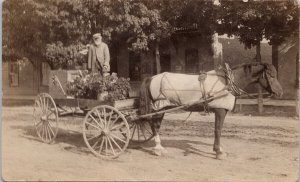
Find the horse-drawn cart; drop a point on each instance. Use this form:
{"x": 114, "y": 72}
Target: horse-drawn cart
{"x": 108, "y": 127}
{"x": 105, "y": 128}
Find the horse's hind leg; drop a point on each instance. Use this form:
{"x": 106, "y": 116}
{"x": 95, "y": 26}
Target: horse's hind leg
{"x": 219, "y": 120}
{"x": 155, "y": 126}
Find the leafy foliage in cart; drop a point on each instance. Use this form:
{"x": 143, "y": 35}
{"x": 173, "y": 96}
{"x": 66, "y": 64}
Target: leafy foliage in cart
{"x": 90, "y": 85}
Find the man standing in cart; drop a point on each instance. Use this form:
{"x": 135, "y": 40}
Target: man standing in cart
{"x": 98, "y": 56}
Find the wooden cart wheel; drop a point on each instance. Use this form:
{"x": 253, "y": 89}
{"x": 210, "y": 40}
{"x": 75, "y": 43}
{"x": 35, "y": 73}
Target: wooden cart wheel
{"x": 140, "y": 131}
{"x": 45, "y": 117}
{"x": 106, "y": 131}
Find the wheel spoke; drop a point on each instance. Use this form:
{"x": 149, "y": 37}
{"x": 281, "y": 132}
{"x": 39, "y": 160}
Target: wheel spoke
{"x": 102, "y": 123}
{"x": 43, "y": 131}
{"x": 101, "y": 145}
{"x": 131, "y": 126}
{"x": 51, "y": 112}
{"x": 51, "y": 129}
{"x": 113, "y": 122}
{"x": 104, "y": 113}
{"x": 38, "y": 123}
{"x": 111, "y": 146}
{"x": 95, "y": 143}
{"x": 93, "y": 137}
{"x": 104, "y": 117}
{"x": 45, "y": 109}
{"x": 138, "y": 131}
{"x": 143, "y": 131}
{"x": 115, "y": 143}
{"x": 122, "y": 131}
{"x": 95, "y": 121}
{"x": 133, "y": 132}
{"x": 52, "y": 119}
{"x": 46, "y": 132}
{"x": 147, "y": 130}
{"x": 47, "y": 106}
{"x": 49, "y": 134}
{"x": 105, "y": 146}
{"x": 116, "y": 137}
{"x": 93, "y": 125}
{"x": 109, "y": 119}
{"x": 118, "y": 126}
{"x": 41, "y": 104}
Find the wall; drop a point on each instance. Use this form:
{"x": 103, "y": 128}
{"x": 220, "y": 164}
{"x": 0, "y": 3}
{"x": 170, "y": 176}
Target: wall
{"x": 123, "y": 62}
{"x": 27, "y": 80}
{"x": 287, "y": 67}
{"x": 235, "y": 53}
{"x": 178, "y": 57}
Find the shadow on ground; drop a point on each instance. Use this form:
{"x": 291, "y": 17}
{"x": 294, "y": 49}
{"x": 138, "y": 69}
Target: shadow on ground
{"x": 73, "y": 141}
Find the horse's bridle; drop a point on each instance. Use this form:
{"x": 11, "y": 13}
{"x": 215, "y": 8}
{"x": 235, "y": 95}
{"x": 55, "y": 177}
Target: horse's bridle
{"x": 233, "y": 86}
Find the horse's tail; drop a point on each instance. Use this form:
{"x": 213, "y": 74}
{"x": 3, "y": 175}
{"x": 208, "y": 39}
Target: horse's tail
{"x": 145, "y": 97}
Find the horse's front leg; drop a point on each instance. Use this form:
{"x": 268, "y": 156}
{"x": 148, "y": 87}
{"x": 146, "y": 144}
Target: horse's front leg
{"x": 219, "y": 120}
{"x": 155, "y": 126}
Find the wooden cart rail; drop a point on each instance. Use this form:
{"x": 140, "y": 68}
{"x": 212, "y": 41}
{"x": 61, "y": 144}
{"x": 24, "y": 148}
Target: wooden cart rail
{"x": 88, "y": 104}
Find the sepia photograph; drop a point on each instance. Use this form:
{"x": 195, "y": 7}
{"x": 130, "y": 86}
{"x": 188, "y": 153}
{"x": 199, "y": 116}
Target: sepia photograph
{"x": 150, "y": 90}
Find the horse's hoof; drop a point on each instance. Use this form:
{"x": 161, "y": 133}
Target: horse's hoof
{"x": 157, "y": 152}
{"x": 221, "y": 156}
{"x": 164, "y": 151}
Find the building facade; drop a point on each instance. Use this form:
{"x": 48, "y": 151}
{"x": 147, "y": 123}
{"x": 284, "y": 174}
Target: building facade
{"x": 182, "y": 54}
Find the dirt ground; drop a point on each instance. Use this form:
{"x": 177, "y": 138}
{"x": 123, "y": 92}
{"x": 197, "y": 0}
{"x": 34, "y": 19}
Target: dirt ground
{"x": 258, "y": 149}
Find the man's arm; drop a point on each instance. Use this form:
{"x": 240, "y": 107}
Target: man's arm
{"x": 106, "y": 58}
{"x": 90, "y": 58}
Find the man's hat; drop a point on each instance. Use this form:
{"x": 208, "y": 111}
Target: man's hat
{"x": 96, "y": 36}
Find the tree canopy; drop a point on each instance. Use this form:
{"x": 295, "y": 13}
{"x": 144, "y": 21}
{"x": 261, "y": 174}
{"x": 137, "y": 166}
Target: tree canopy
{"x": 29, "y": 25}
{"x": 253, "y": 21}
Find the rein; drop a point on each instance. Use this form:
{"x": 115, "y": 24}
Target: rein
{"x": 233, "y": 86}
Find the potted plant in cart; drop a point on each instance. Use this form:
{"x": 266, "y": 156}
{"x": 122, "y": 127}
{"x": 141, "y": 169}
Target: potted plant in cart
{"x": 95, "y": 86}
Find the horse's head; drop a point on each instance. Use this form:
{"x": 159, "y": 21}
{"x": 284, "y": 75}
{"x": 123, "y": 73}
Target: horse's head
{"x": 268, "y": 80}
{"x": 262, "y": 73}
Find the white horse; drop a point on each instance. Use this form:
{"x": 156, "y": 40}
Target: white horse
{"x": 173, "y": 89}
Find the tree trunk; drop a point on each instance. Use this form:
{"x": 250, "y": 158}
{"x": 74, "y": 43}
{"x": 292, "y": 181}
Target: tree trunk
{"x": 275, "y": 56}
{"x": 157, "y": 58}
{"x": 259, "y": 98}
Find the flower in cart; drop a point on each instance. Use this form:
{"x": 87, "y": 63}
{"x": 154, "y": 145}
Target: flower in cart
{"x": 89, "y": 85}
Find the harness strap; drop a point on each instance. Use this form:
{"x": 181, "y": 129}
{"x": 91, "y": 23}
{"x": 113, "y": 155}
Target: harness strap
{"x": 161, "y": 90}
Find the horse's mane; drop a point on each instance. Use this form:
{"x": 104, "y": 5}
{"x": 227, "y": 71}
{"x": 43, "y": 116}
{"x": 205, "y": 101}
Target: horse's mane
{"x": 242, "y": 65}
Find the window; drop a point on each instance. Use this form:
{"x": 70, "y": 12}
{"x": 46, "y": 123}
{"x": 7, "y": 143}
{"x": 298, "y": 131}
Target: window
{"x": 165, "y": 62}
{"x": 134, "y": 66}
{"x": 191, "y": 61}
{"x": 13, "y": 74}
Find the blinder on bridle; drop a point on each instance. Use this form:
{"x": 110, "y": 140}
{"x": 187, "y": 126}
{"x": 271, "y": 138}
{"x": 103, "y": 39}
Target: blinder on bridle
{"x": 268, "y": 77}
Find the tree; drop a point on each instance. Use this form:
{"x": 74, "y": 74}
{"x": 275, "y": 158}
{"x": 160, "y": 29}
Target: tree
{"x": 71, "y": 21}
{"x": 253, "y": 21}
{"x": 26, "y": 27}
{"x": 282, "y": 23}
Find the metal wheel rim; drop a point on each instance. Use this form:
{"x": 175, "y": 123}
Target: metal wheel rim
{"x": 106, "y": 132}
{"x": 45, "y": 117}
